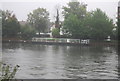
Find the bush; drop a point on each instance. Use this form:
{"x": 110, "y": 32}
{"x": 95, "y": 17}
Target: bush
{"x": 6, "y": 72}
{"x": 27, "y": 32}
{"x": 55, "y": 32}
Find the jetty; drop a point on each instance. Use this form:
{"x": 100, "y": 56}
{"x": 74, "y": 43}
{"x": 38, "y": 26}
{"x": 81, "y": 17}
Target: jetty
{"x": 61, "y": 41}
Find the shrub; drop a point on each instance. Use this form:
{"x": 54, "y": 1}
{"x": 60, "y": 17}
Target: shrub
{"x": 55, "y": 32}
{"x": 7, "y": 72}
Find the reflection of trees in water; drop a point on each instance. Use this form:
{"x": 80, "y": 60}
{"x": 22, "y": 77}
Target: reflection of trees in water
{"x": 111, "y": 49}
{"x": 34, "y": 47}
{"x": 24, "y": 46}
{"x": 77, "y": 50}
{"x": 69, "y": 59}
{"x": 10, "y": 46}
{"x": 55, "y": 48}
{"x": 96, "y": 49}
{"x": 102, "y": 54}
{"x": 103, "y": 49}
{"x": 73, "y": 52}
{"x": 86, "y": 58}
{"x": 97, "y": 53}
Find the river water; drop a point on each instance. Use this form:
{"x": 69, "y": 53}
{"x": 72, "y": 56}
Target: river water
{"x": 61, "y": 62}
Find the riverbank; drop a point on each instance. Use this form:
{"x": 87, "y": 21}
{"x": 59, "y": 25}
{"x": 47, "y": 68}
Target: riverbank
{"x": 61, "y": 41}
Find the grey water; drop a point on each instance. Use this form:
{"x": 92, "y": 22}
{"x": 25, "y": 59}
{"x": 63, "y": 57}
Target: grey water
{"x": 61, "y": 62}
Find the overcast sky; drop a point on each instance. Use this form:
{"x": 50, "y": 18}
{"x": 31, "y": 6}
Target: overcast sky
{"x": 22, "y": 7}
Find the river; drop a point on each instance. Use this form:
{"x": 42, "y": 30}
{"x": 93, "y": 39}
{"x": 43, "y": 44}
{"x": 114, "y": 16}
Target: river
{"x": 61, "y": 62}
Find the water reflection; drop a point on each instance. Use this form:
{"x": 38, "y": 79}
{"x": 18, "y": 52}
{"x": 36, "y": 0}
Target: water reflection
{"x": 62, "y": 62}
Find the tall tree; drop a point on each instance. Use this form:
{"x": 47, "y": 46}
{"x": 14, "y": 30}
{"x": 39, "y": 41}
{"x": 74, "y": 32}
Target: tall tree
{"x": 83, "y": 24}
{"x": 39, "y": 19}
{"x": 101, "y": 25}
{"x": 27, "y": 32}
{"x": 0, "y": 23}
{"x": 75, "y": 8}
{"x": 72, "y": 24}
{"x": 75, "y": 15}
{"x": 57, "y": 22}
{"x": 118, "y": 28}
{"x": 10, "y": 24}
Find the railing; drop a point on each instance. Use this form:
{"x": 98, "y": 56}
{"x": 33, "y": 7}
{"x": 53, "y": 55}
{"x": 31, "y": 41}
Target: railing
{"x": 61, "y": 40}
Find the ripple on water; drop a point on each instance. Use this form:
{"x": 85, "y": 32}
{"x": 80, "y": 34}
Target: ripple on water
{"x": 39, "y": 61}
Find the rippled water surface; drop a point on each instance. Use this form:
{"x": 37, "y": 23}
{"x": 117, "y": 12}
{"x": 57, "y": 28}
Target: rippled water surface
{"x": 62, "y": 62}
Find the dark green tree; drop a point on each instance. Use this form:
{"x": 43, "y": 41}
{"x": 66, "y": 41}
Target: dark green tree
{"x": 82, "y": 24}
{"x": 75, "y": 16}
{"x": 75, "y": 8}
{"x": 10, "y": 24}
{"x": 101, "y": 25}
{"x": 72, "y": 25}
{"x": 27, "y": 32}
{"x": 55, "y": 32}
{"x": 39, "y": 19}
{"x": 57, "y": 22}
{"x": 118, "y": 28}
{"x": 0, "y": 24}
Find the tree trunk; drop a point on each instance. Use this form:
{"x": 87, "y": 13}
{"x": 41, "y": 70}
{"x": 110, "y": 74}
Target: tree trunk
{"x": 39, "y": 33}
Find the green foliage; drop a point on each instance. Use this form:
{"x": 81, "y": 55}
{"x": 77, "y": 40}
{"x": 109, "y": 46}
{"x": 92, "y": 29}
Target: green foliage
{"x": 118, "y": 29}
{"x": 83, "y": 24}
{"x": 55, "y": 32}
{"x": 57, "y": 23}
{"x": 7, "y": 72}
{"x": 39, "y": 19}
{"x": 0, "y": 22}
{"x": 52, "y": 39}
{"x": 10, "y": 24}
{"x": 101, "y": 25}
{"x": 75, "y": 8}
{"x": 74, "y": 22}
{"x": 27, "y": 32}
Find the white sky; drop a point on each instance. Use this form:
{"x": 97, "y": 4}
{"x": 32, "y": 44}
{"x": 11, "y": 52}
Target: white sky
{"x": 22, "y": 7}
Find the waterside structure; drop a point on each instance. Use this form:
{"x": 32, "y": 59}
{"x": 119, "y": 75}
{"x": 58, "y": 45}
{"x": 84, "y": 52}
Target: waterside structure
{"x": 62, "y": 41}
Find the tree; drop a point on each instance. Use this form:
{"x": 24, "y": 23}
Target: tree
{"x": 39, "y": 19}
{"x": 57, "y": 23}
{"x": 10, "y": 24}
{"x": 75, "y": 15}
{"x": 83, "y": 24}
{"x": 101, "y": 25}
{"x": 0, "y": 24}
{"x": 27, "y": 32}
{"x": 72, "y": 24}
{"x": 118, "y": 28}
{"x": 75, "y": 8}
{"x": 55, "y": 32}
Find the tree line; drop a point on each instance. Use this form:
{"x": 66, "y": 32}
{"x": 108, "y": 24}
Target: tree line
{"x": 83, "y": 24}
{"x": 78, "y": 23}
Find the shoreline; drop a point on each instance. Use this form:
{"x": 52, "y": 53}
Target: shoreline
{"x": 61, "y": 43}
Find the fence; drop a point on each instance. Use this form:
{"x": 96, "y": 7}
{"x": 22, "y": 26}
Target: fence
{"x": 61, "y": 40}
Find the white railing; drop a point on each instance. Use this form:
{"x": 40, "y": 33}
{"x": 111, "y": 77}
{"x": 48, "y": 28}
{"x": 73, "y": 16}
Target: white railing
{"x": 62, "y": 40}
